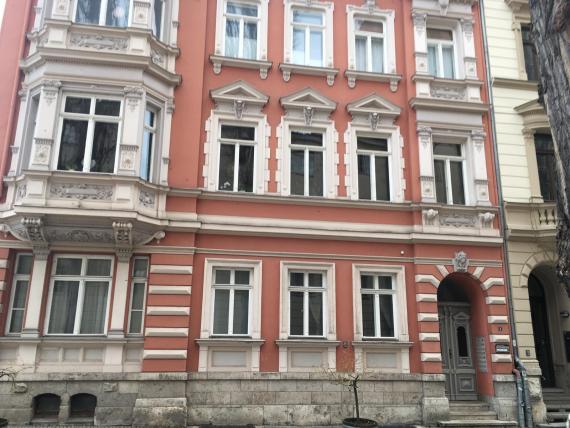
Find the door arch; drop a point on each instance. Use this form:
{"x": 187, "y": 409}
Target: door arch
{"x": 454, "y": 310}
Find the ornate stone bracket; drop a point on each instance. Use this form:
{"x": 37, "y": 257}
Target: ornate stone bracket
{"x": 122, "y": 232}
{"x": 33, "y": 231}
{"x": 461, "y": 262}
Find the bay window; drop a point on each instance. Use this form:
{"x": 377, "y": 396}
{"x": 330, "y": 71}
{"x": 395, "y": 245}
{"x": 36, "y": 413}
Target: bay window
{"x": 369, "y": 45}
{"x": 308, "y": 37}
{"x": 441, "y": 56}
{"x": 79, "y": 290}
{"x": 307, "y": 174}
{"x": 241, "y": 30}
{"x": 20, "y": 285}
{"x": 231, "y": 289}
{"x": 89, "y": 134}
{"x": 138, "y": 294}
{"x": 377, "y": 294}
{"x": 307, "y": 296}
{"x": 373, "y": 159}
{"x": 237, "y": 158}
{"x": 112, "y": 13}
{"x": 449, "y": 173}
{"x": 148, "y": 143}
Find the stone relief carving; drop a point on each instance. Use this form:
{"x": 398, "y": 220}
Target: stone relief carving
{"x": 430, "y": 217}
{"x": 308, "y": 113}
{"x": 239, "y": 108}
{"x": 156, "y": 57}
{"x": 374, "y": 118}
{"x": 79, "y": 235}
{"x": 457, "y": 220}
{"x": 50, "y": 89}
{"x": 81, "y": 191}
{"x": 33, "y": 231}
{"x": 447, "y": 92}
{"x": 147, "y": 198}
{"x": 99, "y": 42}
{"x": 461, "y": 262}
{"x": 21, "y": 192}
{"x": 487, "y": 220}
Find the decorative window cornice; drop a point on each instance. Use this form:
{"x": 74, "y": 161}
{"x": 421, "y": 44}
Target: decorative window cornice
{"x": 239, "y": 97}
{"x": 309, "y": 104}
{"x": 375, "y": 110}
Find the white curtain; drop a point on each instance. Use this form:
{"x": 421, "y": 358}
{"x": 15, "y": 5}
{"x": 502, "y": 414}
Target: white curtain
{"x": 63, "y": 307}
{"x": 94, "y": 307}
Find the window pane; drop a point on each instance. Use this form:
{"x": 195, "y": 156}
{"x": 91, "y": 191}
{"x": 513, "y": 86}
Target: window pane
{"x": 297, "y": 172}
{"x": 77, "y": 105}
{"x": 222, "y": 277}
{"x": 436, "y": 34}
{"x": 307, "y": 138}
{"x": 136, "y": 322}
{"x": 371, "y": 143}
{"x": 88, "y": 11}
{"x": 24, "y": 264}
{"x": 245, "y": 175}
{"x": 443, "y": 149}
{"x": 296, "y": 279}
{"x": 440, "y": 182}
{"x": 221, "y": 311}
{"x": 457, "y": 183}
{"x": 432, "y": 61}
{"x": 72, "y": 149}
{"x": 118, "y": 13}
{"x": 146, "y": 155}
{"x": 386, "y": 316}
{"x": 241, "y": 9}
{"x": 232, "y": 38}
{"x": 368, "y": 315}
{"x": 369, "y": 26}
{"x": 242, "y": 277}
{"x": 227, "y": 159}
{"x": 448, "y": 66}
{"x": 108, "y": 108}
{"x": 546, "y": 161}
{"x": 138, "y": 296}
{"x": 20, "y": 294}
{"x": 377, "y": 55}
{"x": 241, "y": 305}
{"x": 104, "y": 145}
{"x": 316, "y": 58}
{"x": 316, "y": 314}
{"x": 298, "y": 46}
{"x": 140, "y": 268}
{"x": 250, "y": 40}
{"x": 385, "y": 282}
{"x": 462, "y": 347}
{"x": 232, "y": 132}
{"x": 315, "y": 279}
{"x": 529, "y": 51}
{"x": 63, "y": 307}
{"x": 361, "y": 55}
{"x": 17, "y": 321}
{"x": 367, "y": 282}
{"x": 382, "y": 178}
{"x": 98, "y": 267}
{"x": 296, "y": 313}
{"x": 364, "y": 174}
{"x": 307, "y": 17}
{"x": 316, "y": 173}
{"x": 67, "y": 266}
{"x": 157, "y": 18}
{"x": 94, "y": 307}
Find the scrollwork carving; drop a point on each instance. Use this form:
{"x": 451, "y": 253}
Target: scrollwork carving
{"x": 81, "y": 191}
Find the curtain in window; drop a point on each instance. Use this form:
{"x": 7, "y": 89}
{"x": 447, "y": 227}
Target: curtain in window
{"x": 448, "y": 68}
{"x": 360, "y": 44}
{"x": 63, "y": 307}
{"x": 221, "y": 311}
{"x": 316, "y": 173}
{"x": 88, "y": 11}
{"x": 94, "y": 307}
{"x": 72, "y": 148}
{"x": 440, "y": 182}
{"x": 316, "y": 48}
{"x": 298, "y": 46}
{"x": 104, "y": 145}
{"x": 146, "y": 154}
{"x": 377, "y": 55}
{"x": 386, "y": 316}
{"x": 232, "y": 38}
{"x": 315, "y": 314}
{"x": 157, "y": 18}
{"x": 368, "y": 324}
{"x": 245, "y": 176}
{"x": 296, "y": 313}
{"x": 241, "y": 309}
{"x": 250, "y": 40}
{"x": 457, "y": 183}
{"x": 382, "y": 178}
{"x": 118, "y": 13}
{"x": 432, "y": 60}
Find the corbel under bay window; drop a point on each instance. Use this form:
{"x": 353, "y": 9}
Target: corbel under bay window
{"x": 307, "y": 338}
{"x": 380, "y": 318}
{"x": 371, "y": 46}
{"x": 241, "y": 35}
{"x": 309, "y": 39}
{"x": 230, "y": 335}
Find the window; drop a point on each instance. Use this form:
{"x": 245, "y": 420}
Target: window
{"x": 20, "y": 287}
{"x": 369, "y": 45}
{"x": 441, "y": 58}
{"x": 237, "y": 158}
{"x": 308, "y": 37}
{"x": 113, "y": 13}
{"x": 373, "y": 168}
{"x": 529, "y": 51}
{"x": 241, "y": 30}
{"x": 378, "y": 300}
{"x": 231, "y": 301}
{"x": 306, "y": 303}
{"x": 148, "y": 144}
{"x": 46, "y": 406}
{"x": 546, "y": 162}
{"x": 138, "y": 294}
{"x": 158, "y": 18}
{"x": 89, "y": 134}
{"x": 307, "y": 163}
{"x": 82, "y": 406}
{"x": 448, "y": 167}
{"x": 79, "y": 295}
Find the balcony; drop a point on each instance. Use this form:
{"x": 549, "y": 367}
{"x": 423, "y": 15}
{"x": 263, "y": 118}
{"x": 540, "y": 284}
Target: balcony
{"x": 456, "y": 94}
{"x": 535, "y": 220}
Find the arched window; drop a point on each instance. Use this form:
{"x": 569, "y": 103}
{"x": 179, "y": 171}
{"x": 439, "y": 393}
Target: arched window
{"x": 82, "y": 406}
{"x": 46, "y": 406}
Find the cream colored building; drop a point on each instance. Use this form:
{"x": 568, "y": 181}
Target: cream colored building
{"x": 526, "y": 158}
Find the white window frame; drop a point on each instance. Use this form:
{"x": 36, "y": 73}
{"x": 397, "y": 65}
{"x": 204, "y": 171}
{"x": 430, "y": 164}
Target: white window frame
{"x": 80, "y": 295}
{"x": 18, "y": 277}
{"x": 306, "y": 149}
{"x": 103, "y": 14}
{"x": 262, "y": 28}
{"x": 447, "y": 160}
{"x": 325, "y": 7}
{"x": 162, "y": 29}
{"x": 138, "y": 280}
{"x": 371, "y": 154}
{"x": 91, "y": 118}
{"x": 308, "y": 29}
{"x": 439, "y": 44}
{"x": 242, "y": 20}
{"x": 156, "y": 142}
{"x": 305, "y": 289}
{"x": 232, "y": 288}
{"x": 238, "y": 144}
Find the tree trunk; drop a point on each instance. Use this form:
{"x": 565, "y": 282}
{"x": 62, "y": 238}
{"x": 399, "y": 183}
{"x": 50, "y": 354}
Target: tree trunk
{"x": 551, "y": 32}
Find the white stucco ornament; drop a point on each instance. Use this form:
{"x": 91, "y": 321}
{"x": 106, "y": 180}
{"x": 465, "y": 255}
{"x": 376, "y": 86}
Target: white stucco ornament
{"x": 443, "y": 5}
{"x": 461, "y": 262}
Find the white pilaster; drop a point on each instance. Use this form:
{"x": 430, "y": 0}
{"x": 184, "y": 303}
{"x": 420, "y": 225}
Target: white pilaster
{"x": 42, "y": 147}
{"x": 31, "y": 328}
{"x": 18, "y": 143}
{"x": 62, "y": 10}
{"x": 142, "y": 14}
{"x": 479, "y": 168}
{"x": 427, "y": 178}
{"x": 470, "y": 62}
{"x": 120, "y": 298}
{"x": 129, "y": 150}
{"x": 162, "y": 162}
{"x": 420, "y": 42}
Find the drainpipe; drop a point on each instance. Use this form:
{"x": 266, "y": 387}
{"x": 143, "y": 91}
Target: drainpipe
{"x": 523, "y": 397}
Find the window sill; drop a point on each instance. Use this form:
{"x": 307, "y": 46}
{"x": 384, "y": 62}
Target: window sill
{"x": 354, "y": 75}
{"x": 307, "y": 343}
{"x": 230, "y": 341}
{"x": 288, "y": 69}
{"x": 218, "y": 61}
{"x": 381, "y": 343}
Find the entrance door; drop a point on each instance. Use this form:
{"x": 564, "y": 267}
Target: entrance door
{"x": 455, "y": 332}
{"x": 541, "y": 331}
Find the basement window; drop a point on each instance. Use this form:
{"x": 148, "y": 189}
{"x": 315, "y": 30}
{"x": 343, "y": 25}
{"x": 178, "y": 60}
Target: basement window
{"x": 46, "y": 407}
{"x": 82, "y": 406}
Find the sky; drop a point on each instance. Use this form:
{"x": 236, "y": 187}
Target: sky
{"x": 2, "y": 3}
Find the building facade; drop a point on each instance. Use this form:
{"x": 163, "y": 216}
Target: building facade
{"x": 526, "y": 156}
{"x": 209, "y": 206}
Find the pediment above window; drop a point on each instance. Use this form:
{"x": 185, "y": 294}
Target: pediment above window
{"x": 239, "y": 97}
{"x": 518, "y": 6}
{"x": 375, "y": 109}
{"x": 309, "y": 103}
{"x": 533, "y": 115}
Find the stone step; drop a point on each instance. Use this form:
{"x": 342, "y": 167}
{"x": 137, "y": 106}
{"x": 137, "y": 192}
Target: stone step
{"x": 472, "y": 415}
{"x": 557, "y": 416}
{"x": 557, "y": 406}
{"x": 474, "y": 423}
{"x": 552, "y": 425}
{"x": 478, "y": 405}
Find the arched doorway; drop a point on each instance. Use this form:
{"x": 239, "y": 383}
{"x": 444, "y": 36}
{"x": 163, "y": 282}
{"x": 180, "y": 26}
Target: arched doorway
{"x": 456, "y": 345}
{"x": 541, "y": 330}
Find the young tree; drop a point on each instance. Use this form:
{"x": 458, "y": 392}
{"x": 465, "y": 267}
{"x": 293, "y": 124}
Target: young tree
{"x": 551, "y": 32}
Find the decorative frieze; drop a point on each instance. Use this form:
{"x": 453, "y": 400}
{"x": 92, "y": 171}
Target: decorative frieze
{"x": 457, "y": 220}
{"x": 98, "y": 42}
{"x": 147, "y": 199}
{"x": 79, "y": 235}
{"x": 81, "y": 191}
